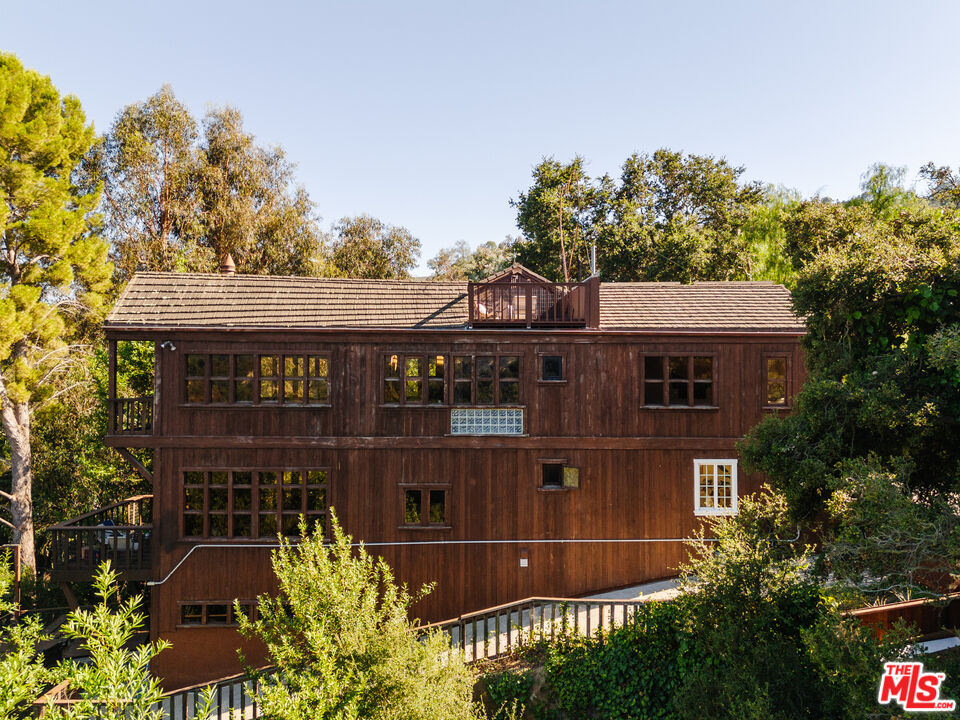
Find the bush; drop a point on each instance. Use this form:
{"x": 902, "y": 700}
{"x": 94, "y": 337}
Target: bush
{"x": 339, "y": 636}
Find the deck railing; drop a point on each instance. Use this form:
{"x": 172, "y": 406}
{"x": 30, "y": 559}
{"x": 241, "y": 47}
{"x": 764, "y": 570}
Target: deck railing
{"x": 120, "y": 532}
{"x": 132, "y": 416}
{"x": 534, "y": 304}
{"x": 496, "y": 631}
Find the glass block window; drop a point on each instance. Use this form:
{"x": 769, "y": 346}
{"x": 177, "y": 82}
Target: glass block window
{"x": 486, "y": 421}
{"x": 715, "y": 487}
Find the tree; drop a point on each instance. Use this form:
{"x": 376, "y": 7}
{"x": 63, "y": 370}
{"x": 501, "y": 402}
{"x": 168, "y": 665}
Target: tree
{"x": 176, "y": 201}
{"x": 53, "y": 265}
{"x": 365, "y": 247}
{"x": 148, "y": 163}
{"x": 944, "y": 185}
{"x": 669, "y": 216}
{"x": 250, "y": 206}
{"x": 339, "y": 636}
{"x": 22, "y": 673}
{"x": 460, "y": 263}
{"x": 770, "y": 643}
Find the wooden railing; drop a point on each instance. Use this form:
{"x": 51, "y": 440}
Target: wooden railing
{"x": 534, "y": 304}
{"x": 120, "y": 532}
{"x": 234, "y": 698}
{"x": 496, "y": 631}
{"x": 131, "y": 416}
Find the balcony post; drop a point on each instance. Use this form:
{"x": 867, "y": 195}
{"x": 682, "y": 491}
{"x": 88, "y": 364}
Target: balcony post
{"x": 528, "y": 302}
{"x": 111, "y": 386}
{"x": 471, "y": 315}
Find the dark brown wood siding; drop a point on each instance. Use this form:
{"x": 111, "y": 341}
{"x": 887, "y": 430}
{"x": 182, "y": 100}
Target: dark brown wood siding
{"x": 636, "y": 469}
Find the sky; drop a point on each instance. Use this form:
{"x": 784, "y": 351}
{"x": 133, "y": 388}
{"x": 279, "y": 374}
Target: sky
{"x": 432, "y": 115}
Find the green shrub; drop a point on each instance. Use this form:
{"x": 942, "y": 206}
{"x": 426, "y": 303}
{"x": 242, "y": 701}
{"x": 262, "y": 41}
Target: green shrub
{"x": 509, "y": 692}
{"x": 629, "y": 672}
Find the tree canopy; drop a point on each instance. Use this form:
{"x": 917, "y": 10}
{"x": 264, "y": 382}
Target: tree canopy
{"x": 365, "y": 247}
{"x": 461, "y": 263}
{"x": 54, "y": 264}
{"x": 178, "y": 198}
{"x": 669, "y": 216}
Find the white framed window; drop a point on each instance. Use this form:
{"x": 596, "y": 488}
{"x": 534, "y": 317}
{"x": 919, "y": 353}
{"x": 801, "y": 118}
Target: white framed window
{"x": 714, "y": 487}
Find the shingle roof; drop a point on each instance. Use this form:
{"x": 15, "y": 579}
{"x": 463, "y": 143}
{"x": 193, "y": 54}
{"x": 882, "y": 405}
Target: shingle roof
{"x": 698, "y": 306}
{"x": 191, "y": 300}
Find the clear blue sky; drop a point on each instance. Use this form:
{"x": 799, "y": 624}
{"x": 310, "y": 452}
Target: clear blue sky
{"x": 431, "y": 115}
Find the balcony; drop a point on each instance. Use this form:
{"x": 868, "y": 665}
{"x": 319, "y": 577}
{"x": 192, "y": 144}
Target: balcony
{"x": 523, "y": 299}
{"x": 120, "y": 533}
{"x": 131, "y": 416}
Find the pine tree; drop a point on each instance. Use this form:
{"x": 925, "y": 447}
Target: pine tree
{"x": 53, "y": 266}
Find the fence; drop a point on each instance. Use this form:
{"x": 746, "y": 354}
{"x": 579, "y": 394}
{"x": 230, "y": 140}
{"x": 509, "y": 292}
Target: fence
{"x": 496, "y": 631}
{"x": 234, "y": 699}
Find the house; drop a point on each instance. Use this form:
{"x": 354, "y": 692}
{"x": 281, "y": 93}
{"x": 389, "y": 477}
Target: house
{"x": 501, "y": 439}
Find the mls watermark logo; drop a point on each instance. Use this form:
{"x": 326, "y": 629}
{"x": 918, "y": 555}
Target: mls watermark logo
{"x": 914, "y": 689}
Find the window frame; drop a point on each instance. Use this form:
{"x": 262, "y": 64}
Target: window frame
{"x": 496, "y": 379}
{"x": 564, "y": 462}
{"x": 250, "y": 605}
{"x": 305, "y": 486}
{"x": 700, "y": 511}
{"x": 232, "y": 379}
{"x": 765, "y": 388}
{"x": 424, "y": 378}
{"x": 690, "y": 356}
{"x": 424, "y": 489}
{"x": 563, "y": 368}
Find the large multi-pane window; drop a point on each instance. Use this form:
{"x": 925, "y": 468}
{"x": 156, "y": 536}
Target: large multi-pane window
{"x": 252, "y": 503}
{"x": 300, "y": 379}
{"x": 678, "y": 381}
{"x": 715, "y": 487}
{"x": 414, "y": 379}
{"x": 486, "y": 380}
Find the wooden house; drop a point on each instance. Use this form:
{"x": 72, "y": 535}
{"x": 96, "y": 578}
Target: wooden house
{"x": 501, "y": 439}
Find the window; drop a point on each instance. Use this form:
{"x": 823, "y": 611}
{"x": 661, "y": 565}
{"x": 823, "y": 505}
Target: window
{"x": 551, "y": 368}
{"x": 486, "y": 380}
{"x": 556, "y": 474}
{"x": 424, "y": 506}
{"x": 776, "y": 393}
{"x": 678, "y": 381}
{"x": 486, "y": 421}
{"x": 246, "y": 504}
{"x": 414, "y": 379}
{"x": 715, "y": 487}
{"x": 257, "y": 379}
{"x": 216, "y": 613}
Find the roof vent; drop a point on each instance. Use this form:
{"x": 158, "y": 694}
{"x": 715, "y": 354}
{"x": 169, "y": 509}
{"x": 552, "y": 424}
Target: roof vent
{"x": 227, "y": 267}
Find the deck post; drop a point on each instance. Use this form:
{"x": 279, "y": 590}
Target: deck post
{"x": 111, "y": 386}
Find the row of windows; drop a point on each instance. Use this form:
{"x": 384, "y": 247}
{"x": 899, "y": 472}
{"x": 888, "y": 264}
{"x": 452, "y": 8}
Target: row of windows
{"x": 468, "y": 380}
{"x": 252, "y": 503}
{"x": 214, "y": 614}
{"x": 258, "y": 379}
{"x": 262, "y": 503}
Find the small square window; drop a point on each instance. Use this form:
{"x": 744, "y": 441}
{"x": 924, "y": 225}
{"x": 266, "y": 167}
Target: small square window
{"x": 551, "y": 475}
{"x": 551, "y": 367}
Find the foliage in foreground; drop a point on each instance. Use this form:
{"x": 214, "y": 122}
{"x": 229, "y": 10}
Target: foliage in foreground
{"x": 22, "y": 674}
{"x": 339, "y": 635}
{"x": 117, "y": 681}
{"x": 751, "y": 636}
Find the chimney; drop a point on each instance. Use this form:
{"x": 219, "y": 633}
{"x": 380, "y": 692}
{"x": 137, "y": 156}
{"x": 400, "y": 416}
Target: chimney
{"x": 227, "y": 267}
